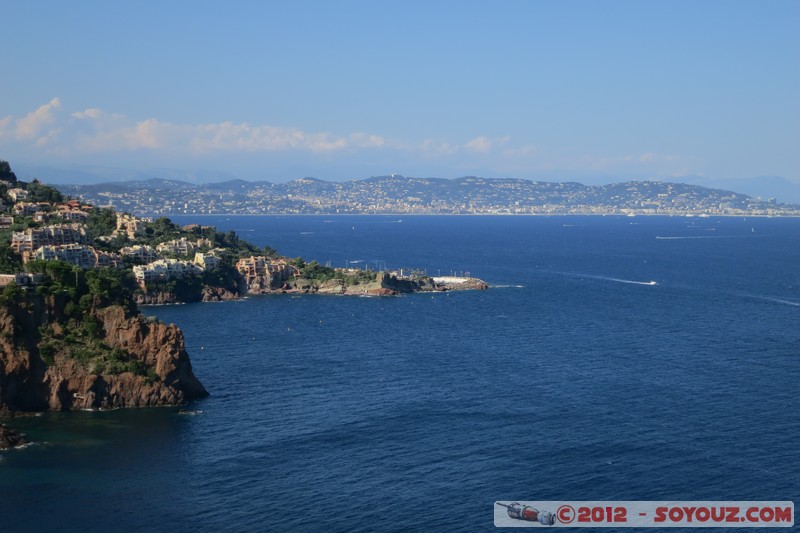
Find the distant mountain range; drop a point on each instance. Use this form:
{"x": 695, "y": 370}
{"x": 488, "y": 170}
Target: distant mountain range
{"x": 764, "y": 187}
{"x": 399, "y": 194}
{"x": 87, "y": 174}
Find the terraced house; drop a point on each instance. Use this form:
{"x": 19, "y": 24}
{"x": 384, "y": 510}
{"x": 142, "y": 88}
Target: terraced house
{"x": 58, "y": 234}
{"x": 76, "y": 254}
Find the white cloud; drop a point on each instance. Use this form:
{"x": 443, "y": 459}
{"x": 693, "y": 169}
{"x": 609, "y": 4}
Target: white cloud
{"x": 32, "y": 125}
{"x": 47, "y": 137}
{"x": 228, "y": 136}
{"x": 96, "y": 132}
{"x": 106, "y": 132}
{"x": 479, "y": 144}
{"x": 91, "y": 113}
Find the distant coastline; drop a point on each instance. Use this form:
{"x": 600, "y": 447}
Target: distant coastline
{"x": 401, "y": 196}
{"x": 621, "y": 215}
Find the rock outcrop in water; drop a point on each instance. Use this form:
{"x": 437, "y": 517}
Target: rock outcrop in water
{"x": 129, "y": 361}
{"x": 10, "y": 438}
{"x": 383, "y": 284}
{"x": 218, "y": 294}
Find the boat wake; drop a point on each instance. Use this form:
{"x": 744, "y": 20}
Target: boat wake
{"x": 607, "y": 278}
{"x": 773, "y": 300}
{"x": 661, "y": 238}
{"x": 620, "y": 280}
{"x": 682, "y": 237}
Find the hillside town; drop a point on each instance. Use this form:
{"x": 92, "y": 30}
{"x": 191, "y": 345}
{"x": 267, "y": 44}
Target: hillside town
{"x": 164, "y": 262}
{"x": 34, "y": 229}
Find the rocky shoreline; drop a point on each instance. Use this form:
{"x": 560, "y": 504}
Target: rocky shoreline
{"x": 384, "y": 284}
{"x": 208, "y": 294}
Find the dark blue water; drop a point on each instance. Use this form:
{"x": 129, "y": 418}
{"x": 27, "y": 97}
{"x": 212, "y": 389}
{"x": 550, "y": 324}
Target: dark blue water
{"x": 571, "y": 379}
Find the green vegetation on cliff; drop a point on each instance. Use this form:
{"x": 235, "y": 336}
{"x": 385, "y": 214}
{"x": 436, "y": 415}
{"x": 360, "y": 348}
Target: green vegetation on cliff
{"x": 73, "y": 295}
{"x": 86, "y": 289}
{"x": 10, "y": 261}
{"x": 313, "y": 271}
{"x": 38, "y": 192}
{"x": 58, "y": 354}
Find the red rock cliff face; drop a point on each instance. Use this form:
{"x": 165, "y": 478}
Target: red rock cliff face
{"x": 27, "y": 383}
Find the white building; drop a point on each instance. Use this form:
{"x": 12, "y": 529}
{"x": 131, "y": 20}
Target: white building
{"x": 165, "y": 269}
{"x": 207, "y": 261}
{"x": 177, "y": 247}
{"x": 76, "y": 254}
{"x": 31, "y": 239}
{"x": 144, "y": 253}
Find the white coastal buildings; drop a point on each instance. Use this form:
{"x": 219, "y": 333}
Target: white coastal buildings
{"x": 209, "y": 261}
{"x": 76, "y": 254}
{"x": 32, "y": 238}
{"x": 164, "y": 270}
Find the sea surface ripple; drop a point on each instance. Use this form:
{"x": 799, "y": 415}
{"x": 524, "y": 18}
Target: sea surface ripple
{"x": 576, "y": 378}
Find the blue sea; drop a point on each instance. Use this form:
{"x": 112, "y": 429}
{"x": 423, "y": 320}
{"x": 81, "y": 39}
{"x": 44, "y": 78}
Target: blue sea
{"x": 573, "y": 378}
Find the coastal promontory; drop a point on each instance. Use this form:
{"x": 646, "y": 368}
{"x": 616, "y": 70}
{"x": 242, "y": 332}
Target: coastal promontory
{"x": 72, "y": 276}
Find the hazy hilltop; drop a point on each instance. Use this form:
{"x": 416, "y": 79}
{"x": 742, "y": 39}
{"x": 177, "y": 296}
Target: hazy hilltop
{"x": 764, "y": 187}
{"x": 92, "y": 174}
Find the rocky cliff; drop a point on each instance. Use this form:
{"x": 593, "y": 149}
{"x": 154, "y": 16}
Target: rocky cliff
{"x": 127, "y": 361}
{"x": 205, "y": 294}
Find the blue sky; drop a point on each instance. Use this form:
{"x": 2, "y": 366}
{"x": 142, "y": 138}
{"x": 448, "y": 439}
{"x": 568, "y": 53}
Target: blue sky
{"x": 552, "y": 90}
